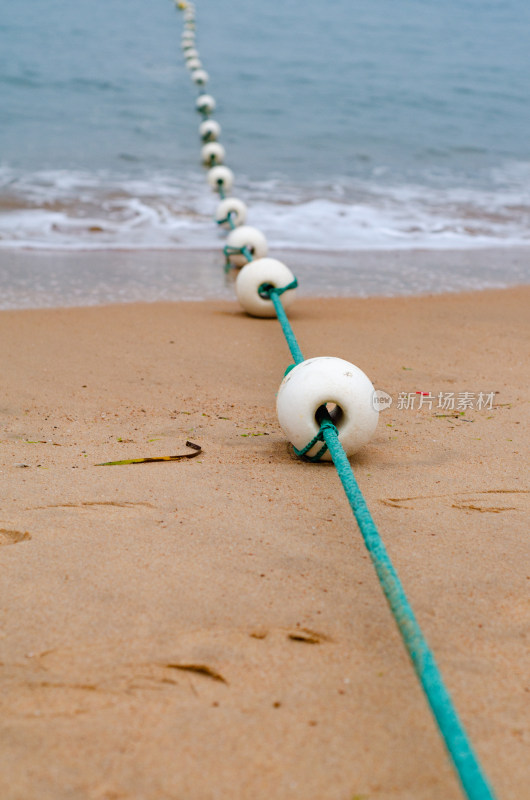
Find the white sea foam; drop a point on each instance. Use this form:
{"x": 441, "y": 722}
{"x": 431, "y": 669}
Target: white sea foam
{"x": 73, "y": 210}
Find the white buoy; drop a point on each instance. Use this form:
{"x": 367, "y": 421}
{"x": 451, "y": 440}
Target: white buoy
{"x": 194, "y": 64}
{"x": 212, "y": 154}
{"x": 319, "y": 381}
{"x": 200, "y": 77}
{"x": 263, "y": 271}
{"x": 191, "y": 52}
{"x": 220, "y": 178}
{"x": 237, "y": 210}
{"x": 246, "y": 237}
{"x": 186, "y": 45}
{"x": 205, "y": 104}
{"x": 209, "y": 130}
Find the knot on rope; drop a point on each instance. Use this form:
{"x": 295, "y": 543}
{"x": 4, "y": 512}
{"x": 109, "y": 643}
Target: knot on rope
{"x": 228, "y": 219}
{"x": 325, "y": 425}
{"x": 228, "y": 250}
{"x": 266, "y": 290}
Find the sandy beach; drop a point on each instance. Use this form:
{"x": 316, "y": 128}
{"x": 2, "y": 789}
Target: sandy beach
{"x": 213, "y": 628}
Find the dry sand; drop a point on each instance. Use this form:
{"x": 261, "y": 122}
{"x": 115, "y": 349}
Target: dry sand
{"x": 213, "y": 628}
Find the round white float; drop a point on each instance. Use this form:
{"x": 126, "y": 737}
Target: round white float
{"x": 200, "y": 77}
{"x": 249, "y": 237}
{"x": 220, "y": 178}
{"x": 212, "y": 154}
{"x": 191, "y": 52}
{"x": 318, "y": 381}
{"x": 256, "y": 273}
{"x": 205, "y": 104}
{"x": 233, "y": 206}
{"x": 209, "y": 130}
{"x": 193, "y": 64}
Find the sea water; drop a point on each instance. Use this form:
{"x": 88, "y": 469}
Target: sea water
{"x": 350, "y": 126}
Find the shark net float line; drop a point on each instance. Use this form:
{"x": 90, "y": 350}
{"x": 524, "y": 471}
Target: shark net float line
{"x": 307, "y": 389}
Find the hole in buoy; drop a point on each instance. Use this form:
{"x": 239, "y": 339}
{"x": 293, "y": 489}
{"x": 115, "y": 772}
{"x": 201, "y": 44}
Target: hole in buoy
{"x": 333, "y": 410}
{"x": 264, "y": 289}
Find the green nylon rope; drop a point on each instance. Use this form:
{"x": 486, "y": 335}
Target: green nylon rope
{"x": 286, "y": 327}
{"x": 318, "y": 438}
{"x": 455, "y": 737}
{"x": 228, "y": 219}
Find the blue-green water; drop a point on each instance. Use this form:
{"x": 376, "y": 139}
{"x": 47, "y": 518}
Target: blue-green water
{"x": 349, "y": 125}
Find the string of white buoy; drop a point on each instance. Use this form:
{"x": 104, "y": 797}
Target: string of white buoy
{"x": 264, "y": 287}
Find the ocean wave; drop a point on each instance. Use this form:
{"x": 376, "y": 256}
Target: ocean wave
{"x": 76, "y": 210}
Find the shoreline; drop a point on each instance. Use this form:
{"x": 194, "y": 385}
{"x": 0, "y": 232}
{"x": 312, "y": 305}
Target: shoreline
{"x": 55, "y": 279}
{"x": 121, "y": 582}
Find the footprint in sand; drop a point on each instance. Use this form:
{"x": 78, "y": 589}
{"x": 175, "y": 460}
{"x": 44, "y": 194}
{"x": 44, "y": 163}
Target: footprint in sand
{"x": 194, "y": 666}
{"x": 13, "y": 537}
{"x": 493, "y": 501}
{"x": 92, "y": 507}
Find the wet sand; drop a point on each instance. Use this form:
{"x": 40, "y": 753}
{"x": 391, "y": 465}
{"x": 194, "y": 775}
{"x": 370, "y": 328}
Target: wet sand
{"x": 52, "y": 278}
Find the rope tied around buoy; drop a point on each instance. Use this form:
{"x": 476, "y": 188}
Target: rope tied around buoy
{"x": 325, "y": 425}
{"x": 228, "y": 250}
{"x": 267, "y": 289}
{"x": 467, "y": 766}
{"x": 229, "y": 218}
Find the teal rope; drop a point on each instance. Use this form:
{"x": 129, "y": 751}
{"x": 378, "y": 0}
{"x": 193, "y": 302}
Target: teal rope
{"x": 456, "y": 740}
{"x": 266, "y": 288}
{"x": 231, "y": 251}
{"x": 326, "y": 423}
{"x": 286, "y": 327}
{"x": 228, "y": 219}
